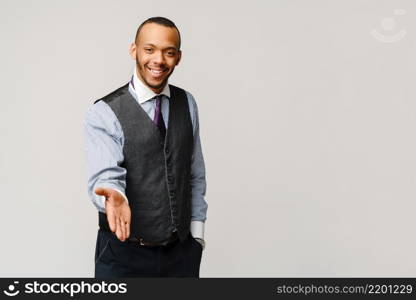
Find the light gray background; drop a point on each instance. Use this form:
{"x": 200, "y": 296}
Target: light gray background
{"x": 307, "y": 125}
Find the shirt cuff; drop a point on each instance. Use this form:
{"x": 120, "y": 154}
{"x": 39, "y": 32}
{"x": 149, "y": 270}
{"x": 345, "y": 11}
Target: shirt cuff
{"x": 197, "y": 229}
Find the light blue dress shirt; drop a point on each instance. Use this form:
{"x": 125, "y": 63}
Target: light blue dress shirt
{"x": 104, "y": 141}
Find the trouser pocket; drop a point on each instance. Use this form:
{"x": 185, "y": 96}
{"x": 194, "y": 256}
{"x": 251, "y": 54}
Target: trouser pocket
{"x": 195, "y": 242}
{"x": 102, "y": 245}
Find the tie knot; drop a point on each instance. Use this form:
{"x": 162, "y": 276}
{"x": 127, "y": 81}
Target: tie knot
{"x": 158, "y": 99}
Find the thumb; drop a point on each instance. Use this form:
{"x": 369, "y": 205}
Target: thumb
{"x": 103, "y": 192}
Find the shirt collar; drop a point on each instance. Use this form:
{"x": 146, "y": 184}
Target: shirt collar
{"x": 143, "y": 92}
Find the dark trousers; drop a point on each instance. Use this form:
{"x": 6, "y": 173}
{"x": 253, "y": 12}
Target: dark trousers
{"x": 117, "y": 259}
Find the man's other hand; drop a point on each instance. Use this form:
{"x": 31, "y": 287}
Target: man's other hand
{"x": 118, "y": 212}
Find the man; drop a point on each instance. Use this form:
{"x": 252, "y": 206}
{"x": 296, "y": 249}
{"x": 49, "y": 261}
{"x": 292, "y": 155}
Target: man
{"x": 146, "y": 173}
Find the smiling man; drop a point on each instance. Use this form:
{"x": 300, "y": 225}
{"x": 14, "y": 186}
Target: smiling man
{"x": 146, "y": 172}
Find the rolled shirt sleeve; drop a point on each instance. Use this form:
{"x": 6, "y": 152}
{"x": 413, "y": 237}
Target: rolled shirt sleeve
{"x": 198, "y": 180}
{"x": 104, "y": 152}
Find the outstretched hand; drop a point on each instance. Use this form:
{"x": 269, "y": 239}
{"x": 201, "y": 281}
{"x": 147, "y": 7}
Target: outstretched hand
{"x": 118, "y": 212}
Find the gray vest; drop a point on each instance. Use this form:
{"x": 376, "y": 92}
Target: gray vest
{"x": 158, "y": 171}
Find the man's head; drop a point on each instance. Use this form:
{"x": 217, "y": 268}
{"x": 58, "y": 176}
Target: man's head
{"x": 156, "y": 51}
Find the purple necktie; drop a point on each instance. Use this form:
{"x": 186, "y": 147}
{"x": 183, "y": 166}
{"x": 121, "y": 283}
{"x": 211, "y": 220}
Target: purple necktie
{"x": 158, "y": 119}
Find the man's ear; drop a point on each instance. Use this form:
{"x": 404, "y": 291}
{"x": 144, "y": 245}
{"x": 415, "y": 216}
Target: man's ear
{"x": 133, "y": 50}
{"x": 179, "y": 57}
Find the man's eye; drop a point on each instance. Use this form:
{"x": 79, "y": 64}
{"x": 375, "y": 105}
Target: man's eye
{"x": 148, "y": 49}
{"x": 171, "y": 53}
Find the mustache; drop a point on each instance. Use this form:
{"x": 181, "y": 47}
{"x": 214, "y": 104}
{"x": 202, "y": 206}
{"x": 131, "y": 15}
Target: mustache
{"x": 139, "y": 65}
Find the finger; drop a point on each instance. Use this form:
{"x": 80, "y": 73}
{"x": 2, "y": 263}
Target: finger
{"x": 118, "y": 231}
{"x": 111, "y": 218}
{"x": 123, "y": 233}
{"x": 127, "y": 229}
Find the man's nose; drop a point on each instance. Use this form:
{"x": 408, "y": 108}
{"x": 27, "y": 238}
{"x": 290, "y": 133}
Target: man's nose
{"x": 159, "y": 58}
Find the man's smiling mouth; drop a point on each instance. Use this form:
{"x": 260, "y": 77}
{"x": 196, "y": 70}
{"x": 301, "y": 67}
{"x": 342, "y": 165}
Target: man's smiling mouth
{"x": 156, "y": 72}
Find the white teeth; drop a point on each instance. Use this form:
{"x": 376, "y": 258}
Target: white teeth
{"x": 156, "y": 72}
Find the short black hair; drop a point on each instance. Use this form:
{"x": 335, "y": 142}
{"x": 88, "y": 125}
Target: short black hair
{"x": 161, "y": 21}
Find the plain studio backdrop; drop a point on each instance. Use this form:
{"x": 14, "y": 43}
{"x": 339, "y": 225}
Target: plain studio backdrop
{"x": 307, "y": 119}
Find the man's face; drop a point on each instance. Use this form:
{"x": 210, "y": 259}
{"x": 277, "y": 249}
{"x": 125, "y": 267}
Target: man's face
{"x": 156, "y": 54}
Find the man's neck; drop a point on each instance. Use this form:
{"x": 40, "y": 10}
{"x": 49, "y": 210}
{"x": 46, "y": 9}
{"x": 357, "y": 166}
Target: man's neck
{"x": 157, "y": 91}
